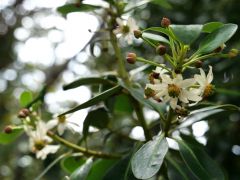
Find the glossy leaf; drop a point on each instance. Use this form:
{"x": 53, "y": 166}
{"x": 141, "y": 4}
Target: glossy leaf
{"x": 83, "y": 171}
{"x": 70, "y": 164}
{"x": 95, "y": 100}
{"x": 8, "y": 138}
{"x": 69, "y": 8}
{"x": 25, "y": 98}
{"x": 202, "y": 113}
{"x": 100, "y": 168}
{"x": 98, "y": 118}
{"x": 192, "y": 161}
{"x": 86, "y": 81}
{"x": 147, "y": 161}
{"x": 155, "y": 37}
{"x": 197, "y": 160}
{"x": 212, "y": 26}
{"x": 187, "y": 34}
{"x": 217, "y": 38}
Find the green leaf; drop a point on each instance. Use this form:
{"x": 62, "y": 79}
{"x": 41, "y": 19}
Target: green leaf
{"x": 162, "y": 3}
{"x": 147, "y": 161}
{"x": 69, "y": 8}
{"x": 198, "y": 160}
{"x": 155, "y": 37}
{"x": 178, "y": 166}
{"x": 192, "y": 161}
{"x": 212, "y": 26}
{"x": 100, "y": 168}
{"x": 120, "y": 170}
{"x": 25, "y": 98}
{"x": 8, "y": 138}
{"x": 86, "y": 81}
{"x": 160, "y": 30}
{"x": 203, "y": 113}
{"x": 217, "y": 38}
{"x": 187, "y": 34}
{"x": 83, "y": 171}
{"x": 122, "y": 104}
{"x": 98, "y": 118}
{"x": 70, "y": 164}
{"x": 95, "y": 100}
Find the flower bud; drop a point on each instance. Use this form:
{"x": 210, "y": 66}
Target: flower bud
{"x": 8, "y": 129}
{"x": 23, "y": 113}
{"x": 161, "y": 50}
{"x": 198, "y": 64}
{"x": 131, "y": 58}
{"x": 233, "y": 53}
{"x": 165, "y": 22}
{"x": 137, "y": 34}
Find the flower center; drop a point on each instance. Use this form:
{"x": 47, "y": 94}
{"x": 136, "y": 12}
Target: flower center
{"x": 62, "y": 119}
{"x": 149, "y": 92}
{"x": 173, "y": 90}
{"x": 39, "y": 145}
{"x": 125, "y": 29}
{"x": 208, "y": 91}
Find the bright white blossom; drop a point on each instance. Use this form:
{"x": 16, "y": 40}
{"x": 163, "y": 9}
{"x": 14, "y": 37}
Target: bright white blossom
{"x": 174, "y": 90}
{"x": 125, "y": 29}
{"x": 206, "y": 88}
{"x": 62, "y": 124}
{"x": 40, "y": 142}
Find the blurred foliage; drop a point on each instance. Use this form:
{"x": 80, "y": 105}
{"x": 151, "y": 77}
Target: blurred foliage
{"x": 223, "y": 134}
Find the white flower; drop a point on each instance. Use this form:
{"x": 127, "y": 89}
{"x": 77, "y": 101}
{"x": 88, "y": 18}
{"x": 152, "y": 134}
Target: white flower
{"x": 160, "y": 70}
{"x": 157, "y": 73}
{"x": 174, "y": 90}
{"x": 39, "y": 141}
{"x": 205, "y": 88}
{"x": 126, "y": 29}
{"x": 62, "y": 124}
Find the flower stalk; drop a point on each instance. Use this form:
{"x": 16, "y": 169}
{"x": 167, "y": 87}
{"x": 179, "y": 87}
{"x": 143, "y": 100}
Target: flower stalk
{"x": 81, "y": 149}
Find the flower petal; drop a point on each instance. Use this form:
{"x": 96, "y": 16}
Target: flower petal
{"x": 173, "y": 103}
{"x": 186, "y": 83}
{"x": 52, "y": 123}
{"x": 61, "y": 128}
{"x": 200, "y": 80}
{"x": 210, "y": 75}
{"x": 183, "y": 96}
{"x": 166, "y": 79}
